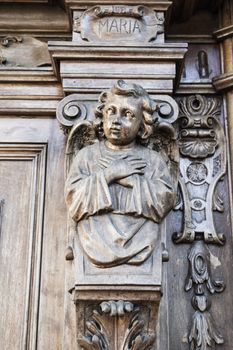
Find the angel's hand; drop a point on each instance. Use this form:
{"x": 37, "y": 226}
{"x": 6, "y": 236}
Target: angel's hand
{"x": 127, "y": 181}
{"x": 106, "y": 161}
{"x": 123, "y": 167}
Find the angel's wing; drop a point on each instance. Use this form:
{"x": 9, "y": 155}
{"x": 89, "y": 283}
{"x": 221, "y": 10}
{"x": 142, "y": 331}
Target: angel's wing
{"x": 164, "y": 135}
{"x": 81, "y": 135}
{"x": 164, "y": 141}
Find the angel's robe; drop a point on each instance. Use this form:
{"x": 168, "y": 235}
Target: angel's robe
{"x": 118, "y": 224}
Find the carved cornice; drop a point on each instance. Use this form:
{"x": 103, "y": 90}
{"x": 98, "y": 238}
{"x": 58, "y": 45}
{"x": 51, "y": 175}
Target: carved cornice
{"x": 195, "y": 88}
{"x": 160, "y": 5}
{"x": 224, "y": 33}
{"x": 19, "y": 18}
{"x": 223, "y": 81}
{"x": 19, "y": 93}
{"x": 168, "y": 59}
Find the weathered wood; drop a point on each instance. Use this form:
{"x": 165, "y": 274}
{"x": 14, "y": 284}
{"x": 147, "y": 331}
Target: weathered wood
{"x": 37, "y": 312}
{"x": 33, "y": 234}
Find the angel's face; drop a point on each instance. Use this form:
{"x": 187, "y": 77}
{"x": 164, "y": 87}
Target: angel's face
{"x": 122, "y": 119}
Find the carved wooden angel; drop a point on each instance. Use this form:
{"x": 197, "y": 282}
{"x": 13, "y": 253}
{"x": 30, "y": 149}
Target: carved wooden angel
{"x": 118, "y": 189}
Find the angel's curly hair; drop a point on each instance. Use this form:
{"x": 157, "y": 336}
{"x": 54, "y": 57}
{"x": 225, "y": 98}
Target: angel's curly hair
{"x": 148, "y": 108}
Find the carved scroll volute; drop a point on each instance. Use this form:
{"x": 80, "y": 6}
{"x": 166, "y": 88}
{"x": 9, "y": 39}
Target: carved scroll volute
{"x": 202, "y": 165}
{"x": 70, "y": 111}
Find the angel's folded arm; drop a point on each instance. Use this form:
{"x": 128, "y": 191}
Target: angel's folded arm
{"x": 86, "y": 193}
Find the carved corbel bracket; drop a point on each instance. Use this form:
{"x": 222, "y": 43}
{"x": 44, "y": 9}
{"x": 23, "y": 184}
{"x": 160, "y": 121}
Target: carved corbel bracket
{"x": 118, "y": 325}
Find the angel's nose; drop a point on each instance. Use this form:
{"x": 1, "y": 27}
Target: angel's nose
{"x": 116, "y": 120}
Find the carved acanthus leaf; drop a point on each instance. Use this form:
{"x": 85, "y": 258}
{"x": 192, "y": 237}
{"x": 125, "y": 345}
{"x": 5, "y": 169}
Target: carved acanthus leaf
{"x": 135, "y": 338}
{"x": 118, "y": 322}
{"x": 95, "y": 338}
{"x": 204, "y": 333}
{"x": 199, "y": 127}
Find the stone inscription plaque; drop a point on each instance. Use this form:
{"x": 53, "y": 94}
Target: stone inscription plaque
{"x": 120, "y": 22}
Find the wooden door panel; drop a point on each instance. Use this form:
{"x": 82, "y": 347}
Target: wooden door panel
{"x": 32, "y": 241}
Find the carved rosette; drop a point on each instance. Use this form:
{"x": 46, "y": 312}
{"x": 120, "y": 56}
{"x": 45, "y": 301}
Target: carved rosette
{"x": 202, "y": 166}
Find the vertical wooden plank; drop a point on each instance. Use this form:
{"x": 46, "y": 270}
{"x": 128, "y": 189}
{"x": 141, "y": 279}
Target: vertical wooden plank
{"x": 53, "y": 290}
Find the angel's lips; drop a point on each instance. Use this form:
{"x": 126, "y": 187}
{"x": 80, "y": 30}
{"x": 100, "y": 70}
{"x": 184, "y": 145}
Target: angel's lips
{"x": 115, "y": 130}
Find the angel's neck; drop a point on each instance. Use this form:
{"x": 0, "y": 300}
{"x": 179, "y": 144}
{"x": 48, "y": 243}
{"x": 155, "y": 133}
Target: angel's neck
{"x": 120, "y": 147}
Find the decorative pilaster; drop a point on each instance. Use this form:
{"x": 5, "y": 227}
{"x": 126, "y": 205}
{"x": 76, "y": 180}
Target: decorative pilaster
{"x": 202, "y": 166}
{"x": 224, "y": 82}
{"x": 117, "y": 295}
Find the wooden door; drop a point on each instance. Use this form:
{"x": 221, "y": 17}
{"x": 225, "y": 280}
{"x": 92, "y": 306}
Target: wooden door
{"x": 33, "y": 234}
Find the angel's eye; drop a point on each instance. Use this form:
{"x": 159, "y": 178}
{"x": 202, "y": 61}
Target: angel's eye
{"x": 110, "y": 110}
{"x": 129, "y": 114}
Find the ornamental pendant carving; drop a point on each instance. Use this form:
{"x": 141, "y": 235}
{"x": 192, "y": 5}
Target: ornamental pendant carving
{"x": 204, "y": 332}
{"x": 202, "y": 165}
